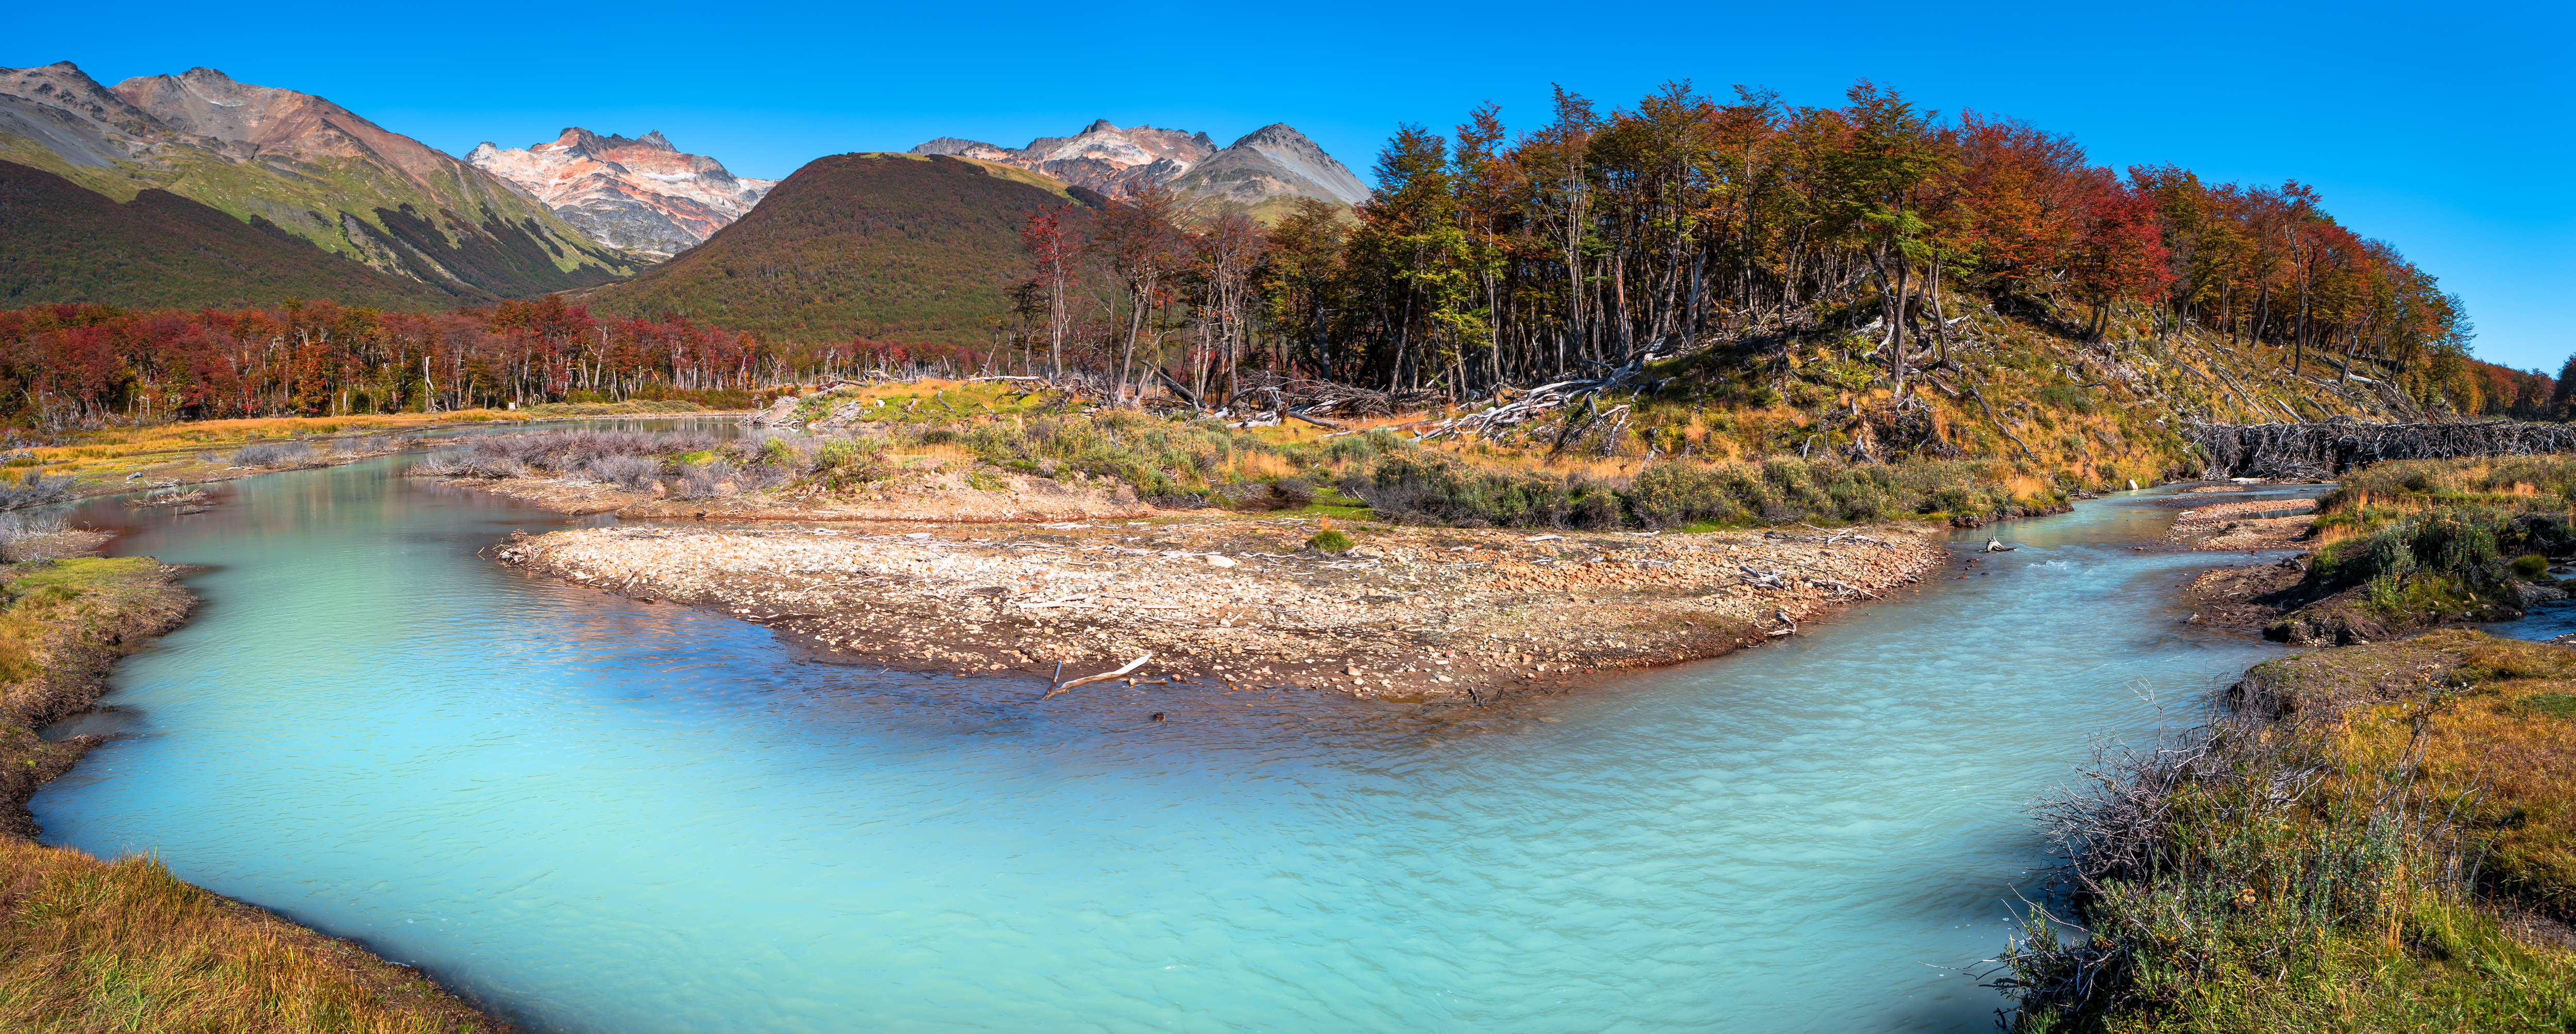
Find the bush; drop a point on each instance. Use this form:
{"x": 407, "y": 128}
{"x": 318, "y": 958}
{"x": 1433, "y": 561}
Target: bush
{"x": 34, "y": 490}
{"x": 1667, "y": 494}
{"x": 1425, "y": 490}
{"x": 272, "y": 454}
{"x": 632, "y": 473}
{"x": 2531, "y": 566}
{"x": 1330, "y": 541}
{"x": 1293, "y": 493}
{"x": 699, "y": 482}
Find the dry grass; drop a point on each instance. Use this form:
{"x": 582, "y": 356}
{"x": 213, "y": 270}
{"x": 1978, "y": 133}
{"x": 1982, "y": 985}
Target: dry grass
{"x": 2330, "y": 856}
{"x": 119, "y": 450}
{"x": 125, "y": 946}
{"x": 2506, "y": 743}
{"x": 87, "y": 945}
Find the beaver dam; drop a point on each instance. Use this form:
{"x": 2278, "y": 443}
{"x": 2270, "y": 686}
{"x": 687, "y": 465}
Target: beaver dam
{"x": 2303, "y": 451}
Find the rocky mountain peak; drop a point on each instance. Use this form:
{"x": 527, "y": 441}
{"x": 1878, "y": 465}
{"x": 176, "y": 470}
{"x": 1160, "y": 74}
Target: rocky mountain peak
{"x": 1272, "y": 162}
{"x": 643, "y": 195}
{"x": 308, "y": 167}
{"x": 1103, "y": 157}
{"x": 213, "y": 82}
{"x": 1279, "y": 133}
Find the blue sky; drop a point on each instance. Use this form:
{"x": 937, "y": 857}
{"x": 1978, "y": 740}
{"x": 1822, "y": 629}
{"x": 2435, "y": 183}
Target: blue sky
{"x": 2443, "y": 129}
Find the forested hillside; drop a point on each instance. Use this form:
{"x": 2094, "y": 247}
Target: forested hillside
{"x": 59, "y": 242}
{"x": 859, "y": 245}
{"x": 302, "y": 166}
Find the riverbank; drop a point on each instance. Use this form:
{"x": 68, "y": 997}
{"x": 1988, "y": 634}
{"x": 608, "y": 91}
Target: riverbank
{"x": 2371, "y": 837}
{"x": 87, "y": 944}
{"x": 1405, "y": 613}
{"x": 126, "y": 459}
{"x": 2404, "y": 546}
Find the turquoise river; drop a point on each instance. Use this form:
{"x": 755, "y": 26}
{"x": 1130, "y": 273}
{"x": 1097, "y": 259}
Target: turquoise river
{"x": 590, "y": 813}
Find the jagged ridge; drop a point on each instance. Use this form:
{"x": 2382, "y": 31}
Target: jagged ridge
{"x": 642, "y": 195}
{"x": 310, "y": 167}
{"x": 1260, "y": 172}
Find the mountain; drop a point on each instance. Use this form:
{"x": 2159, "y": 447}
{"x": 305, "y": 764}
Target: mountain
{"x": 61, "y": 242}
{"x": 1260, "y": 172}
{"x": 641, "y": 195}
{"x": 918, "y": 247}
{"x": 309, "y": 167}
{"x": 1102, "y": 157}
{"x": 1265, "y": 170}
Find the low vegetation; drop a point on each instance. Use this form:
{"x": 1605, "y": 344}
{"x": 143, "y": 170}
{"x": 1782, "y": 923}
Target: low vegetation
{"x": 92, "y": 945}
{"x": 2372, "y": 838}
{"x": 864, "y": 437}
{"x": 2415, "y": 542}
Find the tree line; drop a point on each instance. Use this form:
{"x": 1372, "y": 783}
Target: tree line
{"x": 1488, "y": 258}
{"x": 73, "y": 365}
{"x": 1484, "y": 258}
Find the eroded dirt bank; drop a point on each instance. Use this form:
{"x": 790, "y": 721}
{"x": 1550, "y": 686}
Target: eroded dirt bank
{"x": 1409, "y": 613}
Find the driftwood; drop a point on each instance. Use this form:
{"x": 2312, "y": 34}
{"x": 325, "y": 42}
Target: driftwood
{"x": 1308, "y": 397}
{"x": 2294, "y": 451}
{"x": 1539, "y": 401}
{"x": 1105, "y": 676}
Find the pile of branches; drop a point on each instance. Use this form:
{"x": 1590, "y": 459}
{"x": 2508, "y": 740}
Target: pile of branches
{"x": 1310, "y": 397}
{"x": 1532, "y": 405}
{"x": 2293, "y": 451}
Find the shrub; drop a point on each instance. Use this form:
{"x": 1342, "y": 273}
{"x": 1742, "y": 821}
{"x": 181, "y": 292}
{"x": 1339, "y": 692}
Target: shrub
{"x": 1425, "y": 490}
{"x": 1293, "y": 493}
{"x": 1330, "y": 541}
{"x": 1668, "y": 494}
{"x": 700, "y": 481}
{"x": 34, "y": 490}
{"x": 2531, "y": 566}
{"x": 272, "y": 454}
{"x": 632, "y": 473}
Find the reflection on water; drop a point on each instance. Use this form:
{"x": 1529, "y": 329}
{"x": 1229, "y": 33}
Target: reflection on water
{"x": 601, "y": 815}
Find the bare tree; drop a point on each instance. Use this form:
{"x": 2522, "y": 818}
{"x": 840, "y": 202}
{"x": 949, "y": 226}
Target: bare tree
{"x": 1142, "y": 249}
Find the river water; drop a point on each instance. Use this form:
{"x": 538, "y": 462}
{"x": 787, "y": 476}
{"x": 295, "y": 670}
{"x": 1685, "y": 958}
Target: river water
{"x": 594, "y": 814}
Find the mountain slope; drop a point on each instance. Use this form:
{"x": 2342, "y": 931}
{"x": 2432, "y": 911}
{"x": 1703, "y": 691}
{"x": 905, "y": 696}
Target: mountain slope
{"x": 641, "y": 195}
{"x": 1265, "y": 171}
{"x": 60, "y": 242}
{"x": 309, "y": 167}
{"x": 857, "y": 245}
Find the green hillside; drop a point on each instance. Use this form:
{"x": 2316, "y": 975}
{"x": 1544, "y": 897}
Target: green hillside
{"x": 62, "y": 243}
{"x": 308, "y": 168}
{"x": 857, "y": 245}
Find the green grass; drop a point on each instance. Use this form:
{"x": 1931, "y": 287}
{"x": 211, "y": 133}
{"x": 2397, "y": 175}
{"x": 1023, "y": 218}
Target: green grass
{"x": 2341, "y": 868}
